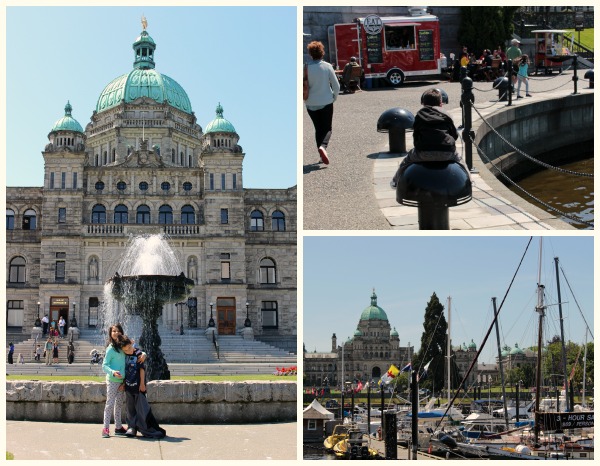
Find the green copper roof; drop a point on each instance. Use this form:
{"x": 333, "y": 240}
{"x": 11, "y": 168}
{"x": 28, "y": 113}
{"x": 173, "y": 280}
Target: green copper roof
{"x": 219, "y": 124}
{"x": 144, "y": 81}
{"x": 373, "y": 312}
{"x": 67, "y": 123}
{"x": 357, "y": 333}
{"x": 516, "y": 350}
{"x": 394, "y": 332}
{"x": 472, "y": 345}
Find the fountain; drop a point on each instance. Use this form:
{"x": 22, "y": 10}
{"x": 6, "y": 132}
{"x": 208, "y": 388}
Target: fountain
{"x": 146, "y": 280}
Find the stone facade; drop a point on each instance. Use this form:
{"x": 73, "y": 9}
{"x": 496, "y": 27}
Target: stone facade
{"x": 145, "y": 167}
{"x": 367, "y": 355}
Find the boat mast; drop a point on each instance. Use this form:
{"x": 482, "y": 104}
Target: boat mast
{"x": 449, "y": 349}
{"x": 500, "y": 364}
{"x": 538, "y": 377}
{"x": 584, "y": 363}
{"x": 562, "y": 339}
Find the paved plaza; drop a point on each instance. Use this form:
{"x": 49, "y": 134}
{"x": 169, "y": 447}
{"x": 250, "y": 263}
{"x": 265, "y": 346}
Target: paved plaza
{"x": 59, "y": 441}
{"x": 354, "y": 192}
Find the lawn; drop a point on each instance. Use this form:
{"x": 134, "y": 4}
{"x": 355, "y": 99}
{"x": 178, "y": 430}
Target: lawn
{"x": 195, "y": 378}
{"x": 587, "y": 37}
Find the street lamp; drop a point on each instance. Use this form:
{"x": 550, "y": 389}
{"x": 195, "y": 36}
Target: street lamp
{"x": 211, "y": 322}
{"x": 38, "y": 305}
{"x": 38, "y": 322}
{"x": 247, "y": 322}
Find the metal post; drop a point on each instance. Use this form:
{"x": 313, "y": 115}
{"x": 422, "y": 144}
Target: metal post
{"x": 38, "y": 307}
{"x": 510, "y": 82}
{"x": 352, "y": 405}
{"x": 500, "y": 363}
{"x": 466, "y": 99}
{"x": 342, "y": 400}
{"x": 414, "y": 399}
{"x": 517, "y": 394}
{"x": 369, "y": 407}
{"x": 247, "y": 322}
{"x": 562, "y": 336}
{"x": 391, "y": 450}
{"x": 211, "y": 322}
{"x": 382, "y": 406}
{"x": 575, "y": 78}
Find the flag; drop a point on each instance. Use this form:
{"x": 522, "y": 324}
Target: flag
{"x": 359, "y": 387}
{"x": 390, "y": 375}
{"x": 424, "y": 373}
{"x": 407, "y": 368}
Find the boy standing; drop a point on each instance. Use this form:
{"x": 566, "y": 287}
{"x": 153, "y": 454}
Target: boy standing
{"x": 434, "y": 135}
{"x": 139, "y": 414}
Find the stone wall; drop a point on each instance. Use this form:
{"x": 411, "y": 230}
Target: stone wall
{"x": 172, "y": 402}
{"x": 540, "y": 128}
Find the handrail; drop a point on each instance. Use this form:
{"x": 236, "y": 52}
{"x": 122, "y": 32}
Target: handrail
{"x": 216, "y": 343}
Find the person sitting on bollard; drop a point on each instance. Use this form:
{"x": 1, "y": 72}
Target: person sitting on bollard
{"x": 522, "y": 75}
{"x": 434, "y": 136}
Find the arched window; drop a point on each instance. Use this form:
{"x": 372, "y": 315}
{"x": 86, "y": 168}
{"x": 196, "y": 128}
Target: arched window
{"x": 267, "y": 271}
{"x": 278, "y": 221}
{"x": 99, "y": 214}
{"x": 121, "y": 214}
{"x": 188, "y": 215}
{"x": 16, "y": 273}
{"x": 29, "y": 218}
{"x": 10, "y": 219}
{"x": 143, "y": 214}
{"x": 256, "y": 221}
{"x": 165, "y": 215}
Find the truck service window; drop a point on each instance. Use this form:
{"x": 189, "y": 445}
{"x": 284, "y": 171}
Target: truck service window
{"x": 399, "y": 37}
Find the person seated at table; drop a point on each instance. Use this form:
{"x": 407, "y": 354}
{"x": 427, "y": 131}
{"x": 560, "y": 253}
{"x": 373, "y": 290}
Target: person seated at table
{"x": 498, "y": 53}
{"x": 434, "y": 136}
{"x": 347, "y": 74}
{"x": 486, "y": 65}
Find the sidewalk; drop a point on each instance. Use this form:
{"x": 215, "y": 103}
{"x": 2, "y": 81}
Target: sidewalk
{"x": 59, "y": 441}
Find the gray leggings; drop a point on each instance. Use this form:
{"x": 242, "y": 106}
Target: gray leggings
{"x": 114, "y": 400}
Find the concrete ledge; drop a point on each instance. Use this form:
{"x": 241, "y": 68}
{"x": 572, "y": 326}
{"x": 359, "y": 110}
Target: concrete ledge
{"x": 182, "y": 402}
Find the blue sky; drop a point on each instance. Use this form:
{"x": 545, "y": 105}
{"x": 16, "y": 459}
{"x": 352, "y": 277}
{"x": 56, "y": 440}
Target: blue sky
{"x": 243, "y": 57}
{"x": 340, "y": 273}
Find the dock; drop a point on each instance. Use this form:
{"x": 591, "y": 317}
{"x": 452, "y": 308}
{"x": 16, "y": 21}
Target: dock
{"x": 403, "y": 452}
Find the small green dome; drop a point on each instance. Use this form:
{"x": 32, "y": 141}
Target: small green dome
{"x": 472, "y": 345}
{"x": 219, "y": 124}
{"x": 67, "y": 123}
{"x": 357, "y": 333}
{"x": 516, "y": 350}
{"x": 394, "y": 333}
{"x": 505, "y": 351}
{"x": 373, "y": 312}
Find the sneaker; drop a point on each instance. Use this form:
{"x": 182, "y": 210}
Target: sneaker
{"x": 105, "y": 433}
{"x": 131, "y": 432}
{"x": 120, "y": 431}
{"x": 519, "y": 97}
{"x": 527, "y": 95}
{"x": 323, "y": 154}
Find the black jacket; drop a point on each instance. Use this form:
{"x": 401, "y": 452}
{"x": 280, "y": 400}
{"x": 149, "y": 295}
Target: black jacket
{"x": 434, "y": 130}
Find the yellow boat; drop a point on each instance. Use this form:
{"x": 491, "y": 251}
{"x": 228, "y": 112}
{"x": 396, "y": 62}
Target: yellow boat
{"x": 355, "y": 446}
{"x": 340, "y": 432}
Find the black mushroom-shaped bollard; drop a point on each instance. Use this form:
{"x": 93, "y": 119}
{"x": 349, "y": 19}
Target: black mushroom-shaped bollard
{"x": 395, "y": 122}
{"x": 433, "y": 187}
{"x": 502, "y": 85}
{"x": 589, "y": 75}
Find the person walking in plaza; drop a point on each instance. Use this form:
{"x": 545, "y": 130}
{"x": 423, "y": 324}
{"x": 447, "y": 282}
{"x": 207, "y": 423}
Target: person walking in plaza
{"x": 55, "y": 352}
{"x": 512, "y": 54}
{"x": 45, "y": 322}
{"x": 48, "y": 351}
{"x": 139, "y": 415}
{"x": 11, "y": 351}
{"x": 523, "y": 76}
{"x": 61, "y": 326}
{"x": 323, "y": 90}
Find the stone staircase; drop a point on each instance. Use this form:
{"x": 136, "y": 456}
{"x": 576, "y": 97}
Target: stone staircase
{"x": 190, "y": 348}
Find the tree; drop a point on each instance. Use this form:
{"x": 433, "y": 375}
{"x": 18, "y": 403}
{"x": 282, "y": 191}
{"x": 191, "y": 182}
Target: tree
{"x": 433, "y": 344}
{"x": 485, "y": 27}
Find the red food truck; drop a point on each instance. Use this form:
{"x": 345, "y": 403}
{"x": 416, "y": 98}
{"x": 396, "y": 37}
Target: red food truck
{"x": 393, "y": 47}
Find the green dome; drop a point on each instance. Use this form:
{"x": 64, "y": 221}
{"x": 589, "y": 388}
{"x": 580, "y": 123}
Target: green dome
{"x": 144, "y": 81}
{"x": 505, "y": 351}
{"x": 357, "y": 333}
{"x": 472, "y": 345}
{"x": 516, "y": 350}
{"x": 67, "y": 123}
{"x": 394, "y": 333}
{"x": 373, "y": 312}
{"x": 219, "y": 124}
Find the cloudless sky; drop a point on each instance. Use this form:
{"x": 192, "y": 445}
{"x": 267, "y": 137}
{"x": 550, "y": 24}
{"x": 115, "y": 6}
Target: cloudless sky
{"x": 243, "y": 57}
{"x": 341, "y": 272}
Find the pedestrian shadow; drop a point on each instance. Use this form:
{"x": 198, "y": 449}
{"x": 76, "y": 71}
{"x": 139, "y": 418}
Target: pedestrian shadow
{"x": 311, "y": 167}
{"x": 167, "y": 439}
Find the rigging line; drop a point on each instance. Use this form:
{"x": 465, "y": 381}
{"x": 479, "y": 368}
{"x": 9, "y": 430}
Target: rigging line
{"x": 487, "y": 334}
{"x": 576, "y": 302}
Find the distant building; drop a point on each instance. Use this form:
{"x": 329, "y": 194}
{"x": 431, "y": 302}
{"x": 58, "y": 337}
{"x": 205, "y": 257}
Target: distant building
{"x": 362, "y": 357}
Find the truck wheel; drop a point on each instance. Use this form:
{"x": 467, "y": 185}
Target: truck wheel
{"x": 395, "y": 77}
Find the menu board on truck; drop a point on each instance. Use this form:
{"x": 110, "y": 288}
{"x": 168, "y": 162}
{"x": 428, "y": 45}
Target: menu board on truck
{"x": 426, "y": 45}
{"x": 374, "y": 51}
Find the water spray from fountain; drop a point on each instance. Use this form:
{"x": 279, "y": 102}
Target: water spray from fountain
{"x": 148, "y": 277}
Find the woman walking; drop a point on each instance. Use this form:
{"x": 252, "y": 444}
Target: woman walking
{"x": 323, "y": 89}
